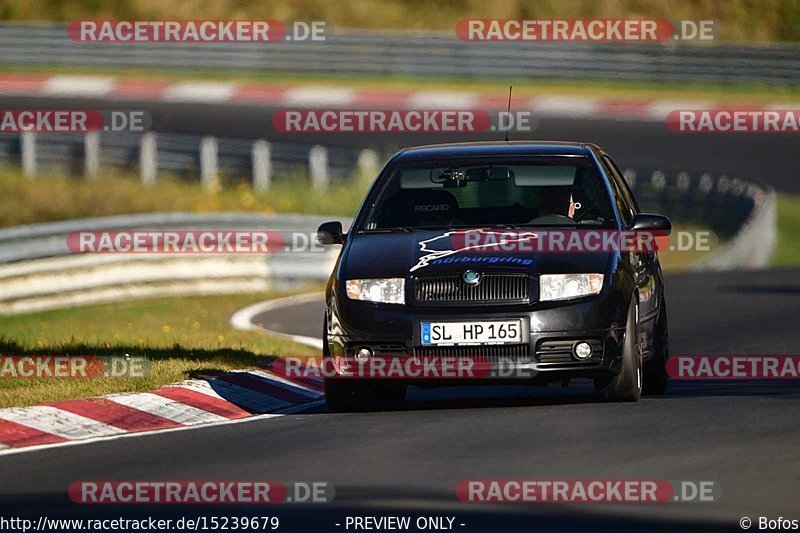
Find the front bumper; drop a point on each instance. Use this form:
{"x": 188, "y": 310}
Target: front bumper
{"x": 393, "y": 331}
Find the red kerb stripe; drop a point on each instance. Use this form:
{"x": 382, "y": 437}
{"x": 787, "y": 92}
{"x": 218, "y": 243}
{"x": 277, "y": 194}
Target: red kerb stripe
{"x": 203, "y": 401}
{"x": 18, "y": 436}
{"x": 114, "y": 414}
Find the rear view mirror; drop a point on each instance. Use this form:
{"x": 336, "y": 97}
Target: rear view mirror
{"x": 330, "y": 233}
{"x": 491, "y": 173}
{"x": 455, "y": 177}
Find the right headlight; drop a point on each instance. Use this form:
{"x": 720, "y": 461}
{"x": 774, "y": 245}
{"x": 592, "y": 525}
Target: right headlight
{"x": 566, "y": 286}
{"x": 386, "y": 290}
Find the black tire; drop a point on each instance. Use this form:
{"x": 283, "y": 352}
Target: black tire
{"x": 627, "y": 385}
{"x": 389, "y": 392}
{"x": 656, "y": 377}
{"x": 343, "y": 395}
{"x": 347, "y": 395}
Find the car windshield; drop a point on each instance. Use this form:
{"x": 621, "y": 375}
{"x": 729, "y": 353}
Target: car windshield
{"x": 477, "y": 192}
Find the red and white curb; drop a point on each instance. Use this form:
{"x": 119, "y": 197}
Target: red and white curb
{"x": 224, "y": 398}
{"x": 306, "y": 96}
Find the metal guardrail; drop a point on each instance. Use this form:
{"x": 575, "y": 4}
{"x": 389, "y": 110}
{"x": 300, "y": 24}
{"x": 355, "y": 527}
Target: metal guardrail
{"x": 45, "y": 240}
{"x": 180, "y": 156}
{"x": 417, "y": 54}
{"x": 741, "y": 213}
{"x": 754, "y": 242}
{"x": 721, "y": 203}
{"x": 38, "y": 271}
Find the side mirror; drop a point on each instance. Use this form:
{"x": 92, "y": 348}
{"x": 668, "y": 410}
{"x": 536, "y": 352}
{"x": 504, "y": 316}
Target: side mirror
{"x": 649, "y": 222}
{"x": 330, "y": 233}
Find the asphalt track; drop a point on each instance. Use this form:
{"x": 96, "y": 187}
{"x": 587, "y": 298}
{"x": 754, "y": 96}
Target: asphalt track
{"x": 408, "y": 459}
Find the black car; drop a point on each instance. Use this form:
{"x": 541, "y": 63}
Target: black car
{"x": 422, "y": 275}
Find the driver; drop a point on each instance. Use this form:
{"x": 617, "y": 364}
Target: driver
{"x": 556, "y": 201}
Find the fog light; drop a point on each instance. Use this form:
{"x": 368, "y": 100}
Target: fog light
{"x": 582, "y": 350}
{"x": 363, "y": 354}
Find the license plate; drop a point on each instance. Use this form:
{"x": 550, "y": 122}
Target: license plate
{"x": 483, "y": 332}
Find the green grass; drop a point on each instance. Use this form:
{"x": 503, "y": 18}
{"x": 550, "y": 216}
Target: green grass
{"x": 787, "y": 249}
{"x": 523, "y": 87}
{"x": 181, "y": 337}
{"x": 51, "y": 198}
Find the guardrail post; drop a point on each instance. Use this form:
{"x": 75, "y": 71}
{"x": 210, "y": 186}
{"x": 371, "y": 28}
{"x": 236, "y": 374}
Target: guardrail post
{"x": 262, "y": 165}
{"x": 91, "y": 153}
{"x": 368, "y": 164}
{"x": 148, "y": 158}
{"x": 318, "y": 167}
{"x": 208, "y": 162}
{"x": 28, "y": 149}
{"x": 630, "y": 176}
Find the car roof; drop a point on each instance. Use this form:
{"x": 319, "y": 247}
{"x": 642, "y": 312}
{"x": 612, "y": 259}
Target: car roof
{"x": 496, "y": 148}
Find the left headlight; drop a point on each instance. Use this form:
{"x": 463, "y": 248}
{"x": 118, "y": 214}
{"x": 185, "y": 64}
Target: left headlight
{"x": 387, "y": 290}
{"x": 566, "y": 286}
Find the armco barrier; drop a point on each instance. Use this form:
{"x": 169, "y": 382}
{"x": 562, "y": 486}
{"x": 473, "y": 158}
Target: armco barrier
{"x": 37, "y": 270}
{"x": 754, "y": 242}
{"x": 742, "y": 213}
{"x": 182, "y": 156}
{"x": 417, "y": 54}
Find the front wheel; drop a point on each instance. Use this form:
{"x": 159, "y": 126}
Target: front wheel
{"x": 389, "y": 392}
{"x": 627, "y": 385}
{"x": 345, "y": 395}
{"x": 656, "y": 377}
{"x": 355, "y": 394}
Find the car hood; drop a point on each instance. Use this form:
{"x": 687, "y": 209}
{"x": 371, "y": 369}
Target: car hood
{"x": 420, "y": 253}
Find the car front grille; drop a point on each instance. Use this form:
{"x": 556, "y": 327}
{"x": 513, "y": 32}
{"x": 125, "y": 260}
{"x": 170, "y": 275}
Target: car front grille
{"x": 559, "y": 352}
{"x": 492, "y": 288}
{"x": 516, "y": 353}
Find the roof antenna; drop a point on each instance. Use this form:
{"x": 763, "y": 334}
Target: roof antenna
{"x": 508, "y": 115}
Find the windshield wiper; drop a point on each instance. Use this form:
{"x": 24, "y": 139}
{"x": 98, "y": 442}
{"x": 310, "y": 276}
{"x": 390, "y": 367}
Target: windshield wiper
{"x": 553, "y": 225}
{"x": 386, "y": 230}
{"x": 509, "y": 226}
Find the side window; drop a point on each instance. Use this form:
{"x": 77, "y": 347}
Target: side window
{"x": 623, "y": 206}
{"x": 626, "y": 190}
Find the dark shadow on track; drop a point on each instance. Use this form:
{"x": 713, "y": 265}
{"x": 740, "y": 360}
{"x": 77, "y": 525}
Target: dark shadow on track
{"x": 491, "y": 397}
{"x": 238, "y": 357}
